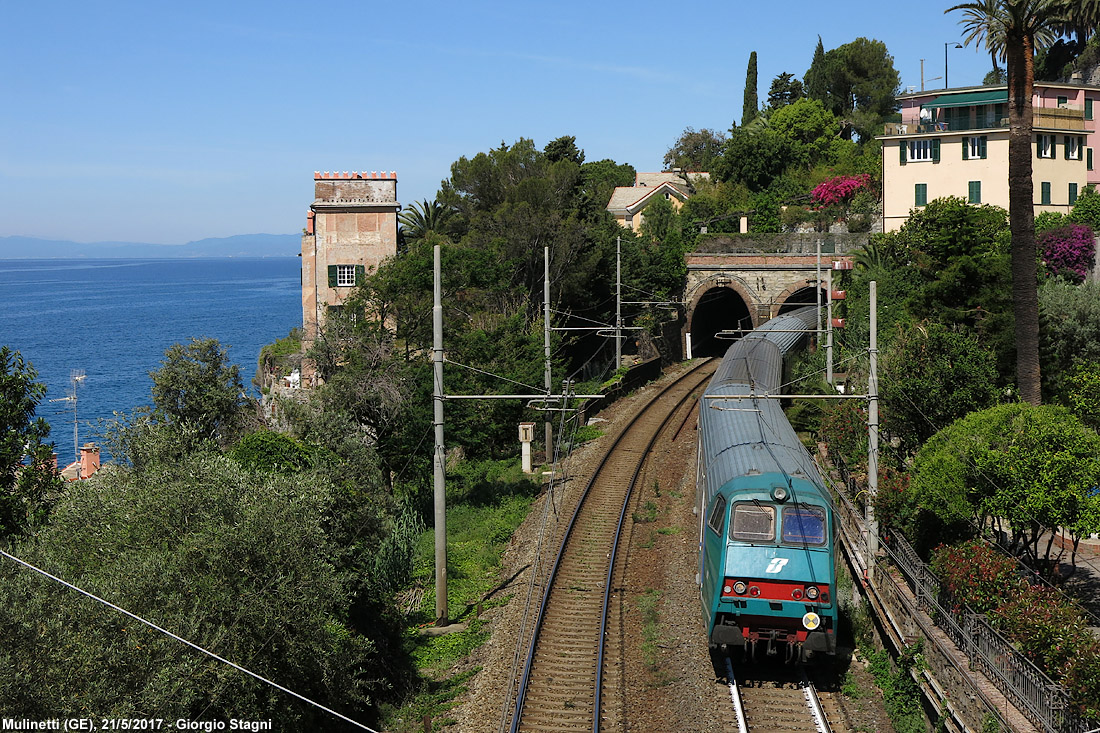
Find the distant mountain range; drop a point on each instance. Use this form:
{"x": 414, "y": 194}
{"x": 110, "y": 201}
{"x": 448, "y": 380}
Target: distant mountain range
{"x": 241, "y": 245}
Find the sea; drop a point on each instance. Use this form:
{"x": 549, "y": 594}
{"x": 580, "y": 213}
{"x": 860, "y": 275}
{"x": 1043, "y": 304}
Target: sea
{"x": 112, "y": 319}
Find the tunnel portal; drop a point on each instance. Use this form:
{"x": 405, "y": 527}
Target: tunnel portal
{"x": 719, "y": 309}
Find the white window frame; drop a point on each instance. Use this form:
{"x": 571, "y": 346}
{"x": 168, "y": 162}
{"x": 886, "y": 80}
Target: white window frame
{"x": 345, "y": 276}
{"x": 919, "y": 151}
{"x": 1073, "y": 147}
{"x": 974, "y": 149}
{"x": 1046, "y": 146}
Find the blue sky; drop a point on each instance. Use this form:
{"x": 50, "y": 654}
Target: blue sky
{"x": 170, "y": 122}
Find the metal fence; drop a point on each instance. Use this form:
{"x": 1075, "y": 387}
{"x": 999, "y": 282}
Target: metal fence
{"x": 1044, "y": 702}
{"x": 1038, "y": 697}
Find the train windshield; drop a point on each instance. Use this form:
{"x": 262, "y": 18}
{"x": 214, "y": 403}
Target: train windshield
{"x": 803, "y": 525}
{"x": 753, "y": 523}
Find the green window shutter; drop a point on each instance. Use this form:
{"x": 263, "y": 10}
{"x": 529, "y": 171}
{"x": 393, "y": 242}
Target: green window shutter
{"x": 975, "y": 192}
{"x": 1088, "y": 157}
{"x": 902, "y": 145}
{"x": 360, "y": 274}
{"x": 966, "y": 148}
{"x": 983, "y": 143}
{"x": 920, "y": 194}
{"x": 1088, "y": 108}
{"x": 1065, "y": 147}
{"x": 1045, "y": 196}
{"x": 935, "y": 150}
{"x": 332, "y": 276}
{"x": 1053, "y": 146}
{"x": 1063, "y": 101}
{"x": 1072, "y": 194}
{"x": 1038, "y": 146}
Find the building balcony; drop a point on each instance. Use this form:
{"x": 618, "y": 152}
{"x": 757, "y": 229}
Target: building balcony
{"x": 1062, "y": 119}
{"x": 923, "y": 128}
{"x": 1069, "y": 119}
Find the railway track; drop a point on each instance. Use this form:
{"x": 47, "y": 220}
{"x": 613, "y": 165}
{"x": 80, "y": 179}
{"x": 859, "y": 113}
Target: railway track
{"x": 562, "y": 682}
{"x": 773, "y": 698}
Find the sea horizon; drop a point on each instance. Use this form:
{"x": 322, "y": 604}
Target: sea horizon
{"x": 113, "y": 318}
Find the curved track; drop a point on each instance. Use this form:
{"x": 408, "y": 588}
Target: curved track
{"x": 561, "y": 685}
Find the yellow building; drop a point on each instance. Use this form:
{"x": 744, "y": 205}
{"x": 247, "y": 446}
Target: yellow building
{"x": 628, "y": 202}
{"x": 955, "y": 143}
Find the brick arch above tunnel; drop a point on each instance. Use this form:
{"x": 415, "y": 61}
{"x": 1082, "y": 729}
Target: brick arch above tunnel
{"x": 795, "y": 287}
{"x": 703, "y": 320}
{"x": 714, "y": 282}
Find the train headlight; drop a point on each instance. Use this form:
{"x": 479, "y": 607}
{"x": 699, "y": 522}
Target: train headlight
{"x": 811, "y": 621}
{"x": 812, "y": 593}
{"x": 740, "y": 587}
{"x": 779, "y": 493}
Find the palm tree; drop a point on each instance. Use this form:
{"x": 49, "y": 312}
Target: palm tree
{"x": 422, "y": 217}
{"x": 1014, "y": 27}
{"x": 980, "y": 24}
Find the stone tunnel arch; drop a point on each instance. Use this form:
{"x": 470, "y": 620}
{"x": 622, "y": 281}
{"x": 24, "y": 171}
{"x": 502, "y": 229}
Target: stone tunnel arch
{"x": 717, "y": 309}
{"x": 796, "y": 297}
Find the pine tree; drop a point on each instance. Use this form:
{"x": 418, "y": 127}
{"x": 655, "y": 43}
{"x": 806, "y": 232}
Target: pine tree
{"x": 752, "y": 103}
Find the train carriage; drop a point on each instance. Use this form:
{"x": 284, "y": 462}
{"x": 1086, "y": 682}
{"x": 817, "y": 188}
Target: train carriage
{"x": 766, "y": 535}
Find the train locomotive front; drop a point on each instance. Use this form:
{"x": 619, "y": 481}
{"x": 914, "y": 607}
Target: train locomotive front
{"x": 766, "y": 562}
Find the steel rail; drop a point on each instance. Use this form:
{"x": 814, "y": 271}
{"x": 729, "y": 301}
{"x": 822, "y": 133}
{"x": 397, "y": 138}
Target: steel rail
{"x": 735, "y": 697}
{"x": 618, "y": 533}
{"x": 814, "y": 704}
{"x": 521, "y": 692}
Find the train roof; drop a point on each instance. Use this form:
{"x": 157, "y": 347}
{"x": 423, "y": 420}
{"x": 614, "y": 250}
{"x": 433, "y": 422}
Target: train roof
{"x": 757, "y": 359}
{"x": 745, "y": 434}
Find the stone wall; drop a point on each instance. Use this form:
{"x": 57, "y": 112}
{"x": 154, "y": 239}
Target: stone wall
{"x": 784, "y": 243}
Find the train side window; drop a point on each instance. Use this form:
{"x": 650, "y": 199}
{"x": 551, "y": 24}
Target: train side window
{"x": 753, "y": 523}
{"x": 717, "y": 514}
{"x": 803, "y": 525}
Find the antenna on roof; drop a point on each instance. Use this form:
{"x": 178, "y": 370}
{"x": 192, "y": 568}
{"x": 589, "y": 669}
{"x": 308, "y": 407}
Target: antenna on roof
{"x": 76, "y": 377}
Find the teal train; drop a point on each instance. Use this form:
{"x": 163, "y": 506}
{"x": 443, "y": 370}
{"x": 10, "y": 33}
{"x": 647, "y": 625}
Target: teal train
{"x": 767, "y": 575}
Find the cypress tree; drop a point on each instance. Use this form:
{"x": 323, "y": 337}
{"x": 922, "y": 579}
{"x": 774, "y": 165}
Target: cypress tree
{"x": 816, "y": 82}
{"x": 752, "y": 103}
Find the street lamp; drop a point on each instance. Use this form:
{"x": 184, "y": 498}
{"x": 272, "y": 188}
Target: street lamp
{"x": 945, "y": 47}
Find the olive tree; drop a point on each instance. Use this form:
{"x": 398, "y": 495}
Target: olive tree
{"x": 199, "y": 388}
{"x": 243, "y": 564}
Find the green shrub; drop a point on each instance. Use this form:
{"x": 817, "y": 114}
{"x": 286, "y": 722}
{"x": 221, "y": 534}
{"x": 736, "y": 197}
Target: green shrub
{"x": 1044, "y": 627}
{"x": 483, "y": 483}
{"x": 976, "y": 574}
{"x": 844, "y": 428}
{"x": 901, "y": 694}
{"x": 266, "y": 450}
{"x": 1087, "y": 209}
{"x": 1049, "y": 220}
{"x": 586, "y": 433}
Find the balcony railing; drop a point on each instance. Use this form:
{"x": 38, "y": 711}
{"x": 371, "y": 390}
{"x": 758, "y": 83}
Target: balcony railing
{"x": 899, "y": 128}
{"x": 1059, "y": 118}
